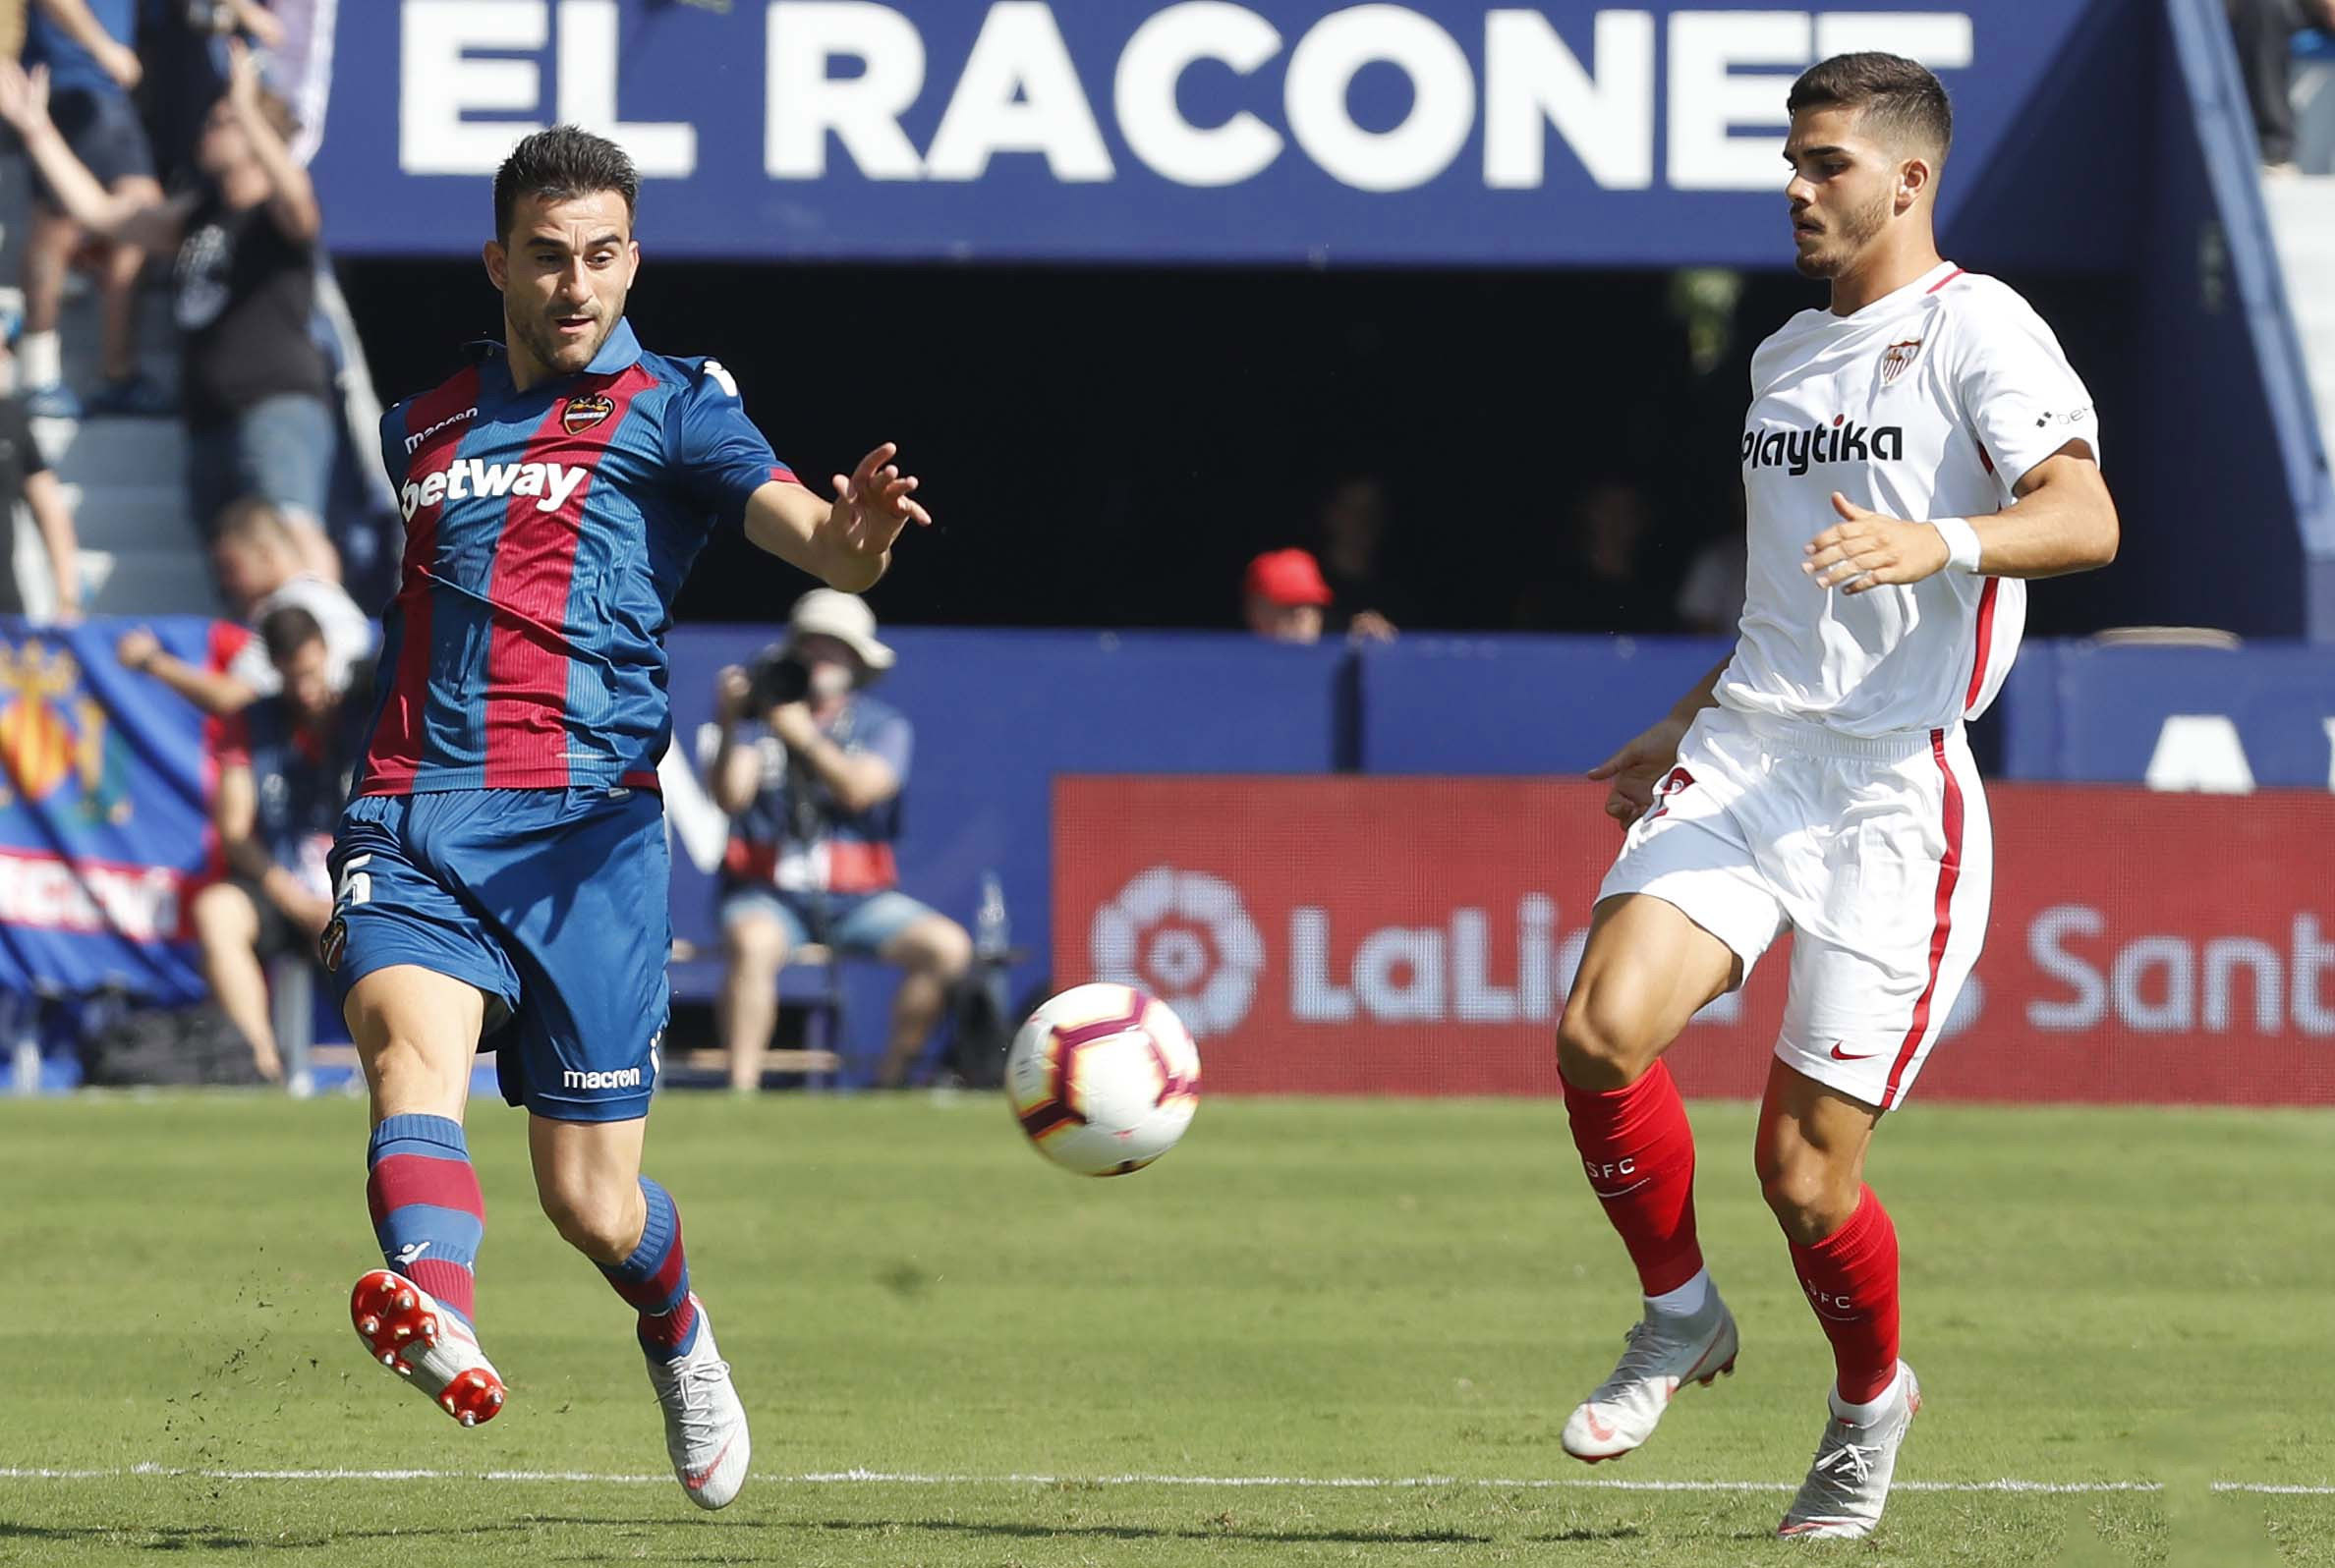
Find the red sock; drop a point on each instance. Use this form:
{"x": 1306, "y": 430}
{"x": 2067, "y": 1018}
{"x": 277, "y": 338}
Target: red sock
{"x": 1851, "y": 1280}
{"x": 1639, "y": 1154}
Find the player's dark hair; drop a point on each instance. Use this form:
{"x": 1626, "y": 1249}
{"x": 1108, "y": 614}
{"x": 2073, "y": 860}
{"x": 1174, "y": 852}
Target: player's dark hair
{"x": 251, "y": 520}
{"x": 560, "y": 165}
{"x": 288, "y": 628}
{"x": 1900, "y": 100}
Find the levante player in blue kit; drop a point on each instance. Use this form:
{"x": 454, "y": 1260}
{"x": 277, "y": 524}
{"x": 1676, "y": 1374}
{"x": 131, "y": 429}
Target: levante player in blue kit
{"x": 501, "y": 871}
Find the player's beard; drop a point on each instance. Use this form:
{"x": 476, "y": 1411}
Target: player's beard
{"x": 1855, "y": 230}
{"x": 565, "y": 358}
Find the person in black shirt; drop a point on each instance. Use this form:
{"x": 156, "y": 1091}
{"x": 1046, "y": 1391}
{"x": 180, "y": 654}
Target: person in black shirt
{"x": 24, "y": 476}
{"x": 255, "y": 384}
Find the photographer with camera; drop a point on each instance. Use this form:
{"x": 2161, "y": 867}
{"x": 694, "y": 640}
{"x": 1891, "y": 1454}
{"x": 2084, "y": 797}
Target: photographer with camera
{"x": 811, "y": 771}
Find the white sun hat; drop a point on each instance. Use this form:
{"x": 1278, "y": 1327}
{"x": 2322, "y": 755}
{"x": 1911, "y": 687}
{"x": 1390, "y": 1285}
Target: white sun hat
{"x": 845, "y": 617}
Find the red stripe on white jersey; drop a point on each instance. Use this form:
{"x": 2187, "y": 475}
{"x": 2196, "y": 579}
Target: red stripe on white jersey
{"x": 1986, "y": 615}
{"x": 1942, "y": 282}
{"x": 395, "y": 752}
{"x": 534, "y": 567}
{"x": 1948, "y": 875}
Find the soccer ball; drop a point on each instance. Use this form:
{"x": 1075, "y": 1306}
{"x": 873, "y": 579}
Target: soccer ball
{"x": 1103, "y": 1079}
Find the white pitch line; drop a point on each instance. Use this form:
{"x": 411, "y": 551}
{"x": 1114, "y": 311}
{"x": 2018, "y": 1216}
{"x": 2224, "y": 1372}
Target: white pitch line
{"x": 884, "y": 1478}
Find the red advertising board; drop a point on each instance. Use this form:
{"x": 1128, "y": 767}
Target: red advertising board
{"x": 1415, "y": 937}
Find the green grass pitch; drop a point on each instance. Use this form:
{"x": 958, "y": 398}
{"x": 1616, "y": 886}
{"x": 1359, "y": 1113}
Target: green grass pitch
{"x": 1044, "y": 1370}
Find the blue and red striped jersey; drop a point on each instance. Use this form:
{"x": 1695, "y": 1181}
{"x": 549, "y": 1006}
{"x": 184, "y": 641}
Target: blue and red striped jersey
{"x": 546, "y": 533}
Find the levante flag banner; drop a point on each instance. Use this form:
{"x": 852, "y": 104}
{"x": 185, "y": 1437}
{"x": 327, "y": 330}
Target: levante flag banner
{"x": 104, "y": 833}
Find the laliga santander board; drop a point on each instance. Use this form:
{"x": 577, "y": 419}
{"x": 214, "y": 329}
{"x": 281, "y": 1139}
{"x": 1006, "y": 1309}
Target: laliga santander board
{"x": 1404, "y": 935}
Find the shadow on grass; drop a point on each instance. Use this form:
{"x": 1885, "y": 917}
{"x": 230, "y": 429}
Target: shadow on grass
{"x": 146, "y": 1538}
{"x": 1357, "y": 1537}
{"x": 195, "y": 1538}
{"x": 213, "y": 1537}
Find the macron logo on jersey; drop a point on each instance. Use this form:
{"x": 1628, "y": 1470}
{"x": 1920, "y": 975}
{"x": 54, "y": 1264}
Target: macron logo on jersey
{"x": 415, "y": 442}
{"x": 1843, "y": 441}
{"x": 556, "y": 483}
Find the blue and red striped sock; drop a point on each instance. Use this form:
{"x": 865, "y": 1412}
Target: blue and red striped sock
{"x": 656, "y": 1280}
{"x": 426, "y": 1209}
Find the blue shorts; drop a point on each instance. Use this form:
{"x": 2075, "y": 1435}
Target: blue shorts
{"x": 851, "y": 922}
{"x": 553, "y": 902}
{"x": 104, "y": 131}
{"x": 280, "y": 449}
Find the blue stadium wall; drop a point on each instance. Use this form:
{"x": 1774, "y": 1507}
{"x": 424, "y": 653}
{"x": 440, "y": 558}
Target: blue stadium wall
{"x": 1000, "y": 717}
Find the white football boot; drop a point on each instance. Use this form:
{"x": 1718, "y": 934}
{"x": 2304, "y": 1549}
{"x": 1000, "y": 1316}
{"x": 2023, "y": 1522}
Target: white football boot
{"x": 1848, "y": 1483}
{"x": 705, "y": 1421}
{"x": 405, "y": 1329}
{"x": 1666, "y": 1351}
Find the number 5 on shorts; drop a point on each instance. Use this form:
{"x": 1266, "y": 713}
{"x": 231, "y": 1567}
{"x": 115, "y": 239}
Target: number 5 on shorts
{"x": 356, "y": 883}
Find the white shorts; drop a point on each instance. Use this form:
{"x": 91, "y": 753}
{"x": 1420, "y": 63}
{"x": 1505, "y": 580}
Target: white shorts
{"x": 1876, "y": 854}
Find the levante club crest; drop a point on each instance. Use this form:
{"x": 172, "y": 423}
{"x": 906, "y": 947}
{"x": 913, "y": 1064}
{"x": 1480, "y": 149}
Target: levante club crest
{"x": 52, "y": 730}
{"x": 585, "y": 411}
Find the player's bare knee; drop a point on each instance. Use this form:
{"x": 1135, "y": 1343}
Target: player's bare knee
{"x": 1809, "y": 1197}
{"x": 1601, "y": 1044}
{"x": 406, "y": 1078}
{"x": 599, "y": 1219}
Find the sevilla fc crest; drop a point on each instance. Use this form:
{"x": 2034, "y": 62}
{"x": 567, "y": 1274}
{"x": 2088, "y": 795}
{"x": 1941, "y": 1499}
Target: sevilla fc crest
{"x": 1893, "y": 361}
{"x": 333, "y": 943}
{"x": 589, "y": 410}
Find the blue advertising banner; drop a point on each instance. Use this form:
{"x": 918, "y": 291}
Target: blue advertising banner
{"x": 103, "y": 813}
{"x": 1272, "y": 131}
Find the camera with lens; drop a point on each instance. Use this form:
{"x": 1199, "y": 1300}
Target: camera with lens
{"x": 775, "y": 676}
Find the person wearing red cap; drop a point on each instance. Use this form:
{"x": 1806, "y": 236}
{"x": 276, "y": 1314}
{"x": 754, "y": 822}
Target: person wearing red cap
{"x": 1284, "y": 597}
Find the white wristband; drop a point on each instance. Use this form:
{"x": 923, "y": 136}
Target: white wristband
{"x": 1962, "y": 542}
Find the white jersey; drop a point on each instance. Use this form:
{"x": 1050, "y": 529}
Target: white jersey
{"x": 1931, "y": 402}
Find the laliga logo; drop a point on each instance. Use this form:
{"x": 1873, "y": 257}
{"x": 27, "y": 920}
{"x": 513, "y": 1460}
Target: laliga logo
{"x": 1173, "y": 909}
{"x": 45, "y": 737}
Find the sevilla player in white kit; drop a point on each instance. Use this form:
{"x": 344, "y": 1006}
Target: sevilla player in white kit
{"x": 1912, "y": 454}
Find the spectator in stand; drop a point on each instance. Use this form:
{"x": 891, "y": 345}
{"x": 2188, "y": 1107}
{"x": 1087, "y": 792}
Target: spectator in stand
{"x": 255, "y": 381}
{"x": 1353, "y": 522}
{"x": 1284, "y": 597}
{"x": 1600, "y": 585}
{"x": 811, "y": 771}
{"x": 284, "y": 767}
{"x": 260, "y": 571}
{"x": 26, "y": 476}
{"x": 184, "y": 46}
{"x": 86, "y": 49}
{"x": 2264, "y": 33}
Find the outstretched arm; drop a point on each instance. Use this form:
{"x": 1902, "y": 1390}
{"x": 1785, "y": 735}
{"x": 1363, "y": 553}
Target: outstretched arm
{"x": 847, "y": 542}
{"x": 215, "y": 692}
{"x": 131, "y": 219}
{"x": 291, "y": 200}
{"x": 2065, "y": 522}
